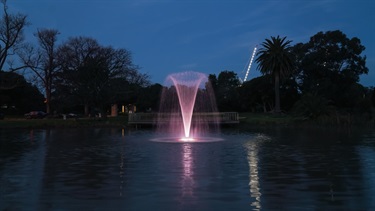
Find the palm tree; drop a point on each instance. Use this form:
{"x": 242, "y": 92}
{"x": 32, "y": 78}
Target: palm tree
{"x": 274, "y": 58}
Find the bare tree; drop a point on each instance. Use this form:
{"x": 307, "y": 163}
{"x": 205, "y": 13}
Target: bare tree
{"x": 42, "y": 61}
{"x": 92, "y": 74}
{"x": 11, "y": 36}
{"x": 75, "y": 57}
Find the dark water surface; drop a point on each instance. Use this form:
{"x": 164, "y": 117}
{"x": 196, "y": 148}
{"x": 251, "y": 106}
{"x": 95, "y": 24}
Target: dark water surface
{"x": 252, "y": 169}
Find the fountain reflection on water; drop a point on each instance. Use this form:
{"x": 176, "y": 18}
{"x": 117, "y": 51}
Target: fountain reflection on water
{"x": 187, "y": 176}
{"x": 84, "y": 169}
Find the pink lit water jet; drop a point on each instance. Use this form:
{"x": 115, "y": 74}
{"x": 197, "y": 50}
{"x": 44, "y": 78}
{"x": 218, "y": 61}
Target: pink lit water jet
{"x": 186, "y": 100}
{"x": 187, "y": 86}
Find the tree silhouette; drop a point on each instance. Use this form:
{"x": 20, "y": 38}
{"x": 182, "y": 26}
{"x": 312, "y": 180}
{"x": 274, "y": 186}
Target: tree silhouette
{"x": 330, "y": 65}
{"x": 274, "y": 58}
{"x": 11, "y": 37}
{"x": 42, "y": 61}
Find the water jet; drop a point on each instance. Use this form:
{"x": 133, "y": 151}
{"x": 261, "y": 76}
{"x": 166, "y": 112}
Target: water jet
{"x": 188, "y": 110}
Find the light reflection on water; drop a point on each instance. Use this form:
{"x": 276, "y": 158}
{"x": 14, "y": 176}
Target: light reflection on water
{"x": 252, "y": 157}
{"x": 117, "y": 169}
{"x": 187, "y": 179}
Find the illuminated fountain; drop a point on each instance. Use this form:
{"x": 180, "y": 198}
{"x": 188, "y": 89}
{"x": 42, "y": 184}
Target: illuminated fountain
{"x": 187, "y": 109}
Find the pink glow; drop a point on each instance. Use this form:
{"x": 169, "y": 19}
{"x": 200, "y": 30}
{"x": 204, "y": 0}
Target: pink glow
{"x": 187, "y": 108}
{"x": 187, "y": 139}
{"x": 187, "y": 85}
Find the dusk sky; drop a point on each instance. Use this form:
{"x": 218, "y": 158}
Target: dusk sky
{"x": 209, "y": 36}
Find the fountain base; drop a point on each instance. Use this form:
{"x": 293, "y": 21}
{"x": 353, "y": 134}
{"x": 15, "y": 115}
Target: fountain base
{"x": 186, "y": 140}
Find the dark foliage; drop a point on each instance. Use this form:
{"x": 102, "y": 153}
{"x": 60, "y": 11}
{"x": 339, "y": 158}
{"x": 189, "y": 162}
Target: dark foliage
{"x": 23, "y": 98}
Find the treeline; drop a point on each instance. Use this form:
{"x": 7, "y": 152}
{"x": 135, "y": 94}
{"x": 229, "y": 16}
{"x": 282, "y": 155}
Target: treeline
{"x": 314, "y": 79}
{"x": 317, "y": 79}
{"x": 78, "y": 73}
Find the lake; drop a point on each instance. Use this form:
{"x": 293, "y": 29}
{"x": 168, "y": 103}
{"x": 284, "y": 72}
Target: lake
{"x": 250, "y": 169}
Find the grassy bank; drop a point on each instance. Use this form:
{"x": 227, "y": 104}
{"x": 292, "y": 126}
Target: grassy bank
{"x": 258, "y": 119}
{"x": 120, "y": 121}
{"x": 267, "y": 119}
{"x": 262, "y": 119}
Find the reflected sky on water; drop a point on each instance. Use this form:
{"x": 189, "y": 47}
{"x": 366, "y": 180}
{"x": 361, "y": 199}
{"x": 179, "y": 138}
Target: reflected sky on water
{"x": 252, "y": 169}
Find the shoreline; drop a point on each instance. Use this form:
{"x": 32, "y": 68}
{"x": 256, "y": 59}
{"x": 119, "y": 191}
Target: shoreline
{"x": 246, "y": 120}
{"x": 119, "y": 122}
